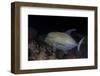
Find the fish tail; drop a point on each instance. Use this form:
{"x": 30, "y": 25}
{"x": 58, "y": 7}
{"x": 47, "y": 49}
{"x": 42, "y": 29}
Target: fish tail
{"x": 79, "y": 44}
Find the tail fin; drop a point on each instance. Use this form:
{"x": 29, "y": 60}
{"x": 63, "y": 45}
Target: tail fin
{"x": 79, "y": 44}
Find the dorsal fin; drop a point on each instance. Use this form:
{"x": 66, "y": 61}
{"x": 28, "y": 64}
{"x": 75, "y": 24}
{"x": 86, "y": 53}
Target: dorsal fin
{"x": 70, "y": 31}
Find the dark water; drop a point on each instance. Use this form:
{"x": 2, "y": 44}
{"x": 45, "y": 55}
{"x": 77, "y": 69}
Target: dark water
{"x": 45, "y": 24}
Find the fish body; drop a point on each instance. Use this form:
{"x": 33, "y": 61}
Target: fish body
{"x": 61, "y": 41}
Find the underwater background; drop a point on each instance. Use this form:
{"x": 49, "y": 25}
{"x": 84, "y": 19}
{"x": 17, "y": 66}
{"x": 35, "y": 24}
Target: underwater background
{"x": 39, "y": 28}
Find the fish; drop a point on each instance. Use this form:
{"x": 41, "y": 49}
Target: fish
{"x": 63, "y": 41}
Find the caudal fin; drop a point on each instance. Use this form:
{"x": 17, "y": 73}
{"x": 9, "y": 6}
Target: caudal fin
{"x": 79, "y": 44}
